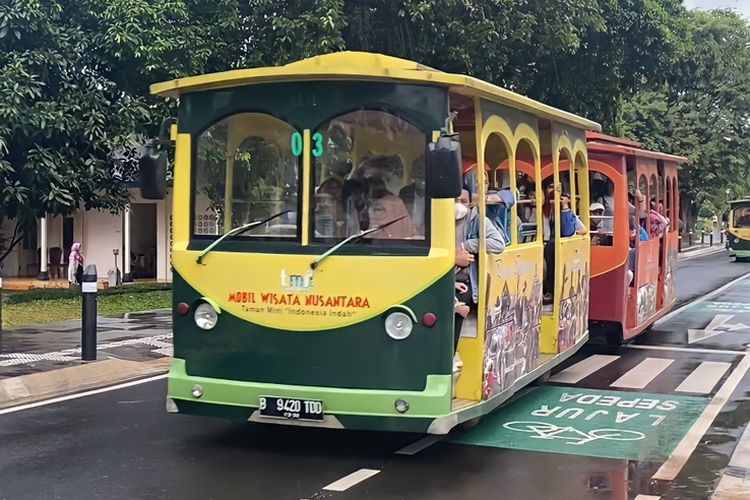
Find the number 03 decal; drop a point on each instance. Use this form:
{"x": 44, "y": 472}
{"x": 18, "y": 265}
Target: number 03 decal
{"x": 318, "y": 149}
{"x": 297, "y": 144}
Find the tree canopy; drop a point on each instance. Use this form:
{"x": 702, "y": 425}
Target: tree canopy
{"x": 74, "y": 75}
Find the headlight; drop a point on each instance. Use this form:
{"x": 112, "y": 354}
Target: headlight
{"x": 736, "y": 240}
{"x": 205, "y": 316}
{"x": 398, "y": 325}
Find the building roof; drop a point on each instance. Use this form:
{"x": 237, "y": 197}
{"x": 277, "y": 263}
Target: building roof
{"x": 367, "y": 66}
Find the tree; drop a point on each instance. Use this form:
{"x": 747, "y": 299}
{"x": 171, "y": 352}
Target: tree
{"x": 702, "y": 110}
{"x": 74, "y": 103}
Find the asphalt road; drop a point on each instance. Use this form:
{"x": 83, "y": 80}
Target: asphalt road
{"x": 121, "y": 444}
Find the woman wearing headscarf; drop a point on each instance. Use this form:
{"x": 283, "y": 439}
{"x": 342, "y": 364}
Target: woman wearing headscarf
{"x": 75, "y": 265}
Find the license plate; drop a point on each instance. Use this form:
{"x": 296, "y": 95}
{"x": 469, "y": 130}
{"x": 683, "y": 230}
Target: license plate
{"x": 290, "y": 408}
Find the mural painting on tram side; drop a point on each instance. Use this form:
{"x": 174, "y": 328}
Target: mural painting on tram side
{"x": 646, "y": 302}
{"x": 670, "y": 279}
{"x": 513, "y": 323}
{"x": 573, "y": 318}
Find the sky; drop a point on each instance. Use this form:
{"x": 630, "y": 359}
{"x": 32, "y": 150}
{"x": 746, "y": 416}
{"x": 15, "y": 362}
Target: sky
{"x": 741, "y": 6}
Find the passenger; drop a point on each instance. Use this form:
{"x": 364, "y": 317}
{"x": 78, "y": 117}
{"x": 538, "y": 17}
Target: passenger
{"x": 605, "y": 194}
{"x": 570, "y": 224}
{"x": 597, "y": 225}
{"x": 499, "y": 205}
{"x": 744, "y": 219}
{"x": 494, "y": 240}
{"x": 657, "y": 223}
{"x": 413, "y": 195}
{"x": 329, "y": 213}
{"x": 385, "y": 207}
{"x": 464, "y": 259}
{"x": 354, "y": 200}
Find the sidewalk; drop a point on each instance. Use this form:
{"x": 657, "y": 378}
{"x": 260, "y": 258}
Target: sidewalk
{"x": 45, "y": 360}
{"x": 700, "y": 249}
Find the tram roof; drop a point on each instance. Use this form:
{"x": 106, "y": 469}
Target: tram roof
{"x": 367, "y": 66}
{"x": 746, "y": 199}
{"x": 603, "y": 143}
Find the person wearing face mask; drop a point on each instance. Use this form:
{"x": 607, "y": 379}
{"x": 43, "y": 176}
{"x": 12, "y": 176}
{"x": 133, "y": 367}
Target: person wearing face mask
{"x": 494, "y": 239}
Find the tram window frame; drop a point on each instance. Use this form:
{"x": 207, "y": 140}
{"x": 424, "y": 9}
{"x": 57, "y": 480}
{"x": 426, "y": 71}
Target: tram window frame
{"x": 641, "y": 209}
{"x": 668, "y": 202}
{"x": 391, "y": 245}
{"x": 514, "y": 230}
{"x": 248, "y": 237}
{"x": 531, "y": 199}
{"x": 609, "y": 184}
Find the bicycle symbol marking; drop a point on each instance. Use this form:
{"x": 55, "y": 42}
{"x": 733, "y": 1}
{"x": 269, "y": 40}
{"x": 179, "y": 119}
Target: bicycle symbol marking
{"x": 571, "y": 435}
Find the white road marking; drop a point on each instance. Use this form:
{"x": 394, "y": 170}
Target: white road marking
{"x": 676, "y": 461}
{"x": 347, "y": 482}
{"x": 81, "y": 394}
{"x": 709, "y": 295}
{"x": 579, "y": 371}
{"x": 735, "y": 482}
{"x": 647, "y": 497}
{"x": 684, "y": 349}
{"x": 419, "y": 445}
{"x": 643, "y": 373}
{"x": 703, "y": 379}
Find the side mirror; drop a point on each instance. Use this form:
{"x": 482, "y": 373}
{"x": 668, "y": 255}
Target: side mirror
{"x": 152, "y": 172}
{"x": 444, "y": 167}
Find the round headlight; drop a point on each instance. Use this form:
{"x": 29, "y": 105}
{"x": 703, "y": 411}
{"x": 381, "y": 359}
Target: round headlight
{"x": 205, "y": 316}
{"x": 398, "y": 325}
{"x": 736, "y": 240}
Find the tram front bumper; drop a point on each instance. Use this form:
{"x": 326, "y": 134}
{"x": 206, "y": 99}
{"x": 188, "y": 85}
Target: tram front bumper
{"x": 367, "y": 409}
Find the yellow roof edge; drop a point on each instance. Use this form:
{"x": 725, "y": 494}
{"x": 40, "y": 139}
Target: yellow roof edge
{"x": 361, "y": 66}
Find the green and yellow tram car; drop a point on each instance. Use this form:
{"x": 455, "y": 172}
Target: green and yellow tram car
{"x": 738, "y": 230}
{"x": 314, "y": 244}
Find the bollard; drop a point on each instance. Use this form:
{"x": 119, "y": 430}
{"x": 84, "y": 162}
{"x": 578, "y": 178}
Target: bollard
{"x": 711, "y": 239}
{"x": 690, "y": 238}
{"x": 703, "y": 235}
{"x": 88, "y": 316}
{"x": 679, "y": 244}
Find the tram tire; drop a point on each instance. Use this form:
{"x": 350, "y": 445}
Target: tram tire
{"x": 544, "y": 377}
{"x": 613, "y": 337}
{"x": 470, "y": 424}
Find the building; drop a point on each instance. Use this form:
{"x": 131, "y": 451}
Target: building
{"x": 143, "y": 231}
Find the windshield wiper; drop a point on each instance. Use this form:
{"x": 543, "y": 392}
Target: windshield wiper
{"x": 236, "y": 231}
{"x": 314, "y": 264}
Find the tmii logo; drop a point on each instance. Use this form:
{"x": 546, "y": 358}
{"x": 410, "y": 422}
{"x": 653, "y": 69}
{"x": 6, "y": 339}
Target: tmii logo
{"x": 296, "y": 282}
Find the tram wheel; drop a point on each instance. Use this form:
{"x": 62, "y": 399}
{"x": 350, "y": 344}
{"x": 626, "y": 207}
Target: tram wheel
{"x": 470, "y": 424}
{"x": 613, "y": 337}
{"x": 542, "y": 378}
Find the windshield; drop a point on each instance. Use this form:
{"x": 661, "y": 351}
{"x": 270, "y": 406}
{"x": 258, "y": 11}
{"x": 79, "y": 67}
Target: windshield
{"x": 741, "y": 216}
{"x": 245, "y": 171}
{"x": 370, "y": 171}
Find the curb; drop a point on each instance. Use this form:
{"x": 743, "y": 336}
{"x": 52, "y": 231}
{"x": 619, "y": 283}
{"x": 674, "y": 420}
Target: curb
{"x": 690, "y": 254}
{"x": 64, "y": 381}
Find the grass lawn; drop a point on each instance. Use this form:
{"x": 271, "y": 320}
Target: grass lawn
{"x": 47, "y": 306}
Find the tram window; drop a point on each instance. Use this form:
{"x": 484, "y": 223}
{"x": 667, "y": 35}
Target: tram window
{"x": 642, "y": 210}
{"x": 667, "y": 210}
{"x": 602, "y": 216}
{"x": 371, "y": 171}
{"x": 741, "y": 216}
{"x": 245, "y": 171}
{"x": 654, "y": 194}
{"x": 527, "y": 230}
